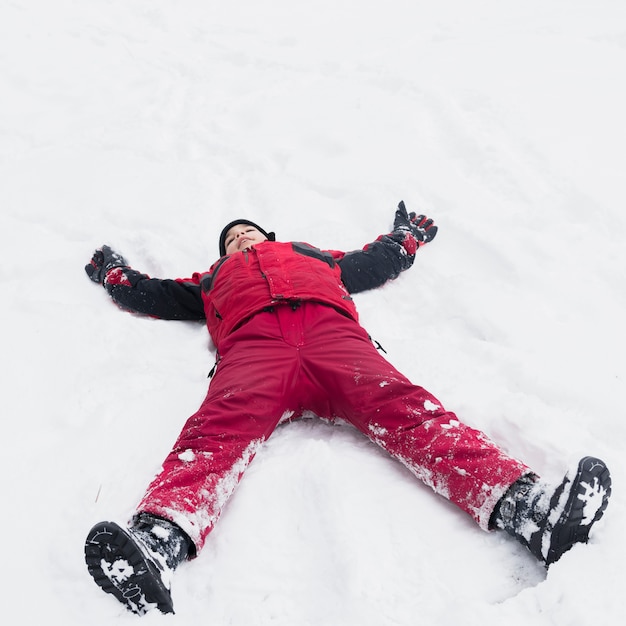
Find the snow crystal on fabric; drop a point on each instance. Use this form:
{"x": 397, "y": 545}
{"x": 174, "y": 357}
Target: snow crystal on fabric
{"x": 431, "y": 406}
{"x": 188, "y": 456}
{"x": 377, "y": 431}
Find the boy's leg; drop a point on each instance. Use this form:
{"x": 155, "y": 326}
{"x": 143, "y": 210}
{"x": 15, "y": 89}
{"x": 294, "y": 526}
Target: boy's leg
{"x": 457, "y": 461}
{"x": 246, "y": 399}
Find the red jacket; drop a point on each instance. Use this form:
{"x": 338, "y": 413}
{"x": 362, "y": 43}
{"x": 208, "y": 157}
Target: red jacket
{"x": 242, "y": 284}
{"x": 270, "y": 273}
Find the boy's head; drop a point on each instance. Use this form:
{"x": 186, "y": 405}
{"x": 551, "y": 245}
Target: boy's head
{"x": 241, "y": 234}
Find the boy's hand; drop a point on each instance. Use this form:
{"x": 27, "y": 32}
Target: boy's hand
{"x": 422, "y": 228}
{"x": 103, "y": 260}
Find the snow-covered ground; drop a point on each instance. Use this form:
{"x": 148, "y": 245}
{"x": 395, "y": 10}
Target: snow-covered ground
{"x": 148, "y": 124}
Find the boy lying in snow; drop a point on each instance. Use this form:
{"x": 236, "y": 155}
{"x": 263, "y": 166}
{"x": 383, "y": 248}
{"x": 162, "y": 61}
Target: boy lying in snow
{"x": 288, "y": 340}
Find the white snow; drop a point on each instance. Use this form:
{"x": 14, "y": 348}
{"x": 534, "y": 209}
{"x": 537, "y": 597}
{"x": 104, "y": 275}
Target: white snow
{"x": 188, "y": 456}
{"x": 593, "y": 498}
{"x": 149, "y": 124}
{"x": 118, "y": 571}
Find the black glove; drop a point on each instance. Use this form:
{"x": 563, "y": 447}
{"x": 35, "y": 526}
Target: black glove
{"x": 422, "y": 228}
{"x": 103, "y": 260}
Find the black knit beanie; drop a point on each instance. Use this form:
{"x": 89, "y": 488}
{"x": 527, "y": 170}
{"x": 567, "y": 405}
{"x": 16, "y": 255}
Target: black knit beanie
{"x": 271, "y": 236}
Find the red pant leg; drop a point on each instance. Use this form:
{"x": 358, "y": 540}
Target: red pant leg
{"x": 316, "y": 358}
{"x": 360, "y": 386}
{"x": 248, "y": 395}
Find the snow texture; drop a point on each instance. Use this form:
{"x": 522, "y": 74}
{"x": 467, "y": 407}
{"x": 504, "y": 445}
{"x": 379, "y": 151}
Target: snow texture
{"x": 149, "y": 124}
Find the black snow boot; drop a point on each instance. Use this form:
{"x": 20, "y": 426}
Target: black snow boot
{"x": 135, "y": 564}
{"x": 550, "y": 521}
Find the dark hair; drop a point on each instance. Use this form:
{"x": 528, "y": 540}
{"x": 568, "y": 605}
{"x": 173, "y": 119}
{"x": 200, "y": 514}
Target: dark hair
{"x": 271, "y": 236}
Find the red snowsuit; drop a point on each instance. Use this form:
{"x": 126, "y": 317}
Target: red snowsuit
{"x": 288, "y": 341}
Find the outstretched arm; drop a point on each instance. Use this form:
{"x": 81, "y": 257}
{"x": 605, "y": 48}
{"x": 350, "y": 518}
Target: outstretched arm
{"x": 390, "y": 254}
{"x": 137, "y": 292}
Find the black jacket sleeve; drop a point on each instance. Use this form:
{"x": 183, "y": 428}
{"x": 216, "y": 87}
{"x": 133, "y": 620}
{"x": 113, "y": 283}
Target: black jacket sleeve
{"x": 374, "y": 265}
{"x": 165, "y": 299}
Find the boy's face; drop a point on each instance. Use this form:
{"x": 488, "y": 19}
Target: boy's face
{"x": 241, "y": 237}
